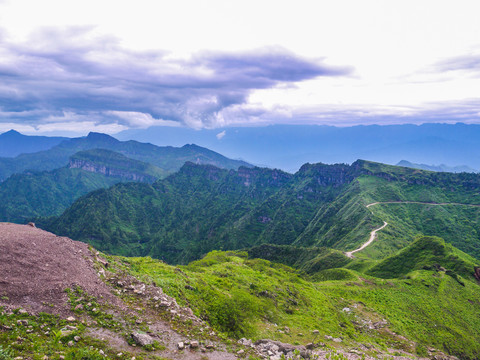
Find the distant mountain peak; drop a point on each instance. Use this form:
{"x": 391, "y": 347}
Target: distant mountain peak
{"x": 95, "y": 136}
{"x": 11, "y": 133}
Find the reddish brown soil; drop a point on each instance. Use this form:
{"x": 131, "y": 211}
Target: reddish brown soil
{"x": 37, "y": 266}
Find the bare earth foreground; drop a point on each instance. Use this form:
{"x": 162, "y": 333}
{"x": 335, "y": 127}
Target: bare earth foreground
{"x": 37, "y": 266}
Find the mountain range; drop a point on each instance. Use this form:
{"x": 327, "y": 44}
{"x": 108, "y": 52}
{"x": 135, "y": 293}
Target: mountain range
{"x": 288, "y": 147}
{"x": 45, "y": 183}
{"x": 203, "y": 208}
{"x": 167, "y": 158}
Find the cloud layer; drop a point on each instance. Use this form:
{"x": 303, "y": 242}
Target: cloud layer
{"x": 71, "y": 76}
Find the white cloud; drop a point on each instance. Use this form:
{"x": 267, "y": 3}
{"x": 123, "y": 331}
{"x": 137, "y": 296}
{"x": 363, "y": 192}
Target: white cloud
{"x": 221, "y": 135}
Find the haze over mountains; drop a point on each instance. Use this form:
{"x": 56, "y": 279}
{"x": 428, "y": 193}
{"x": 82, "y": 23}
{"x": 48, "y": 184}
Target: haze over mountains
{"x": 288, "y": 147}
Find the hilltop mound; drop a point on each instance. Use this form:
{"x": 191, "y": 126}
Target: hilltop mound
{"x": 427, "y": 252}
{"x": 37, "y": 267}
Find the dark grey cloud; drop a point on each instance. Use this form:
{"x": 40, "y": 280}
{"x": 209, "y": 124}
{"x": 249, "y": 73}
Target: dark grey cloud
{"x": 69, "y": 71}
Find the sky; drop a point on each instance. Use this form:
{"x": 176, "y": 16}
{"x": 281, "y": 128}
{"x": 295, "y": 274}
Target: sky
{"x": 79, "y": 66}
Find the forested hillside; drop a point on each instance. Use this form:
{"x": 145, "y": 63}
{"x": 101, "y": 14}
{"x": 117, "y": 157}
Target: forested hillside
{"x": 202, "y": 208}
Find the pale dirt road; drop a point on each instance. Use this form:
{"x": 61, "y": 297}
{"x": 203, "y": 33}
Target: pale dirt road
{"x": 374, "y": 232}
{"x": 370, "y": 240}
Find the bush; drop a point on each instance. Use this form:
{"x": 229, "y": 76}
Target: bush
{"x": 83, "y": 354}
{"x": 232, "y": 313}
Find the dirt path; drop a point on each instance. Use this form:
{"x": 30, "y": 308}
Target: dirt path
{"x": 374, "y": 232}
{"x": 370, "y": 240}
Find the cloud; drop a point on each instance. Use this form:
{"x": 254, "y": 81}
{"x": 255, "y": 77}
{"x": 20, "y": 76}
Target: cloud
{"x": 221, "y": 135}
{"x": 465, "y": 111}
{"x": 470, "y": 64}
{"x": 70, "y": 71}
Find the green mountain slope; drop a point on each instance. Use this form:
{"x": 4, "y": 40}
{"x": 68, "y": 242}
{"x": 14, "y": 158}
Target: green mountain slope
{"x": 426, "y": 253}
{"x": 32, "y": 194}
{"x": 167, "y": 158}
{"x": 49, "y": 193}
{"x": 110, "y": 163}
{"x": 243, "y": 296}
{"x": 177, "y": 219}
{"x": 202, "y": 208}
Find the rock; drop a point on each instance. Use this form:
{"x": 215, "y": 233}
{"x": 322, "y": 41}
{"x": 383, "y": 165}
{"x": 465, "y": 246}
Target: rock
{"x": 338, "y": 340}
{"x": 32, "y": 224}
{"x": 79, "y": 307}
{"x": 314, "y": 332}
{"x": 70, "y": 343}
{"x": 142, "y": 339}
{"x": 477, "y": 272}
{"x": 310, "y": 346}
{"x": 210, "y": 346}
{"x": 181, "y": 345}
{"x": 328, "y": 337}
{"x": 76, "y": 338}
{"x": 194, "y": 344}
{"x": 346, "y": 309}
{"x": 71, "y": 319}
{"x": 240, "y": 352}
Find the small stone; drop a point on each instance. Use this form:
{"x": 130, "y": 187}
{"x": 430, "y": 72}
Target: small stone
{"x": 120, "y": 354}
{"x": 79, "y": 307}
{"x": 142, "y": 339}
{"x": 70, "y": 343}
{"x": 240, "y": 352}
{"x": 210, "y": 346}
{"x": 61, "y": 357}
{"x": 76, "y": 338}
{"x": 338, "y": 340}
{"x": 194, "y": 344}
{"x": 101, "y": 352}
{"x": 138, "y": 321}
{"x": 346, "y": 309}
{"x": 310, "y": 346}
{"x": 181, "y": 345}
{"x": 71, "y": 319}
{"x": 22, "y": 311}
{"x": 315, "y": 332}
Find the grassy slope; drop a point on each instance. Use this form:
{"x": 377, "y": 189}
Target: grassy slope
{"x": 256, "y": 298}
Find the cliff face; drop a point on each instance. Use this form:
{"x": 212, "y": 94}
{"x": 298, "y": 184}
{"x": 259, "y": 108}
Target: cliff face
{"x": 110, "y": 171}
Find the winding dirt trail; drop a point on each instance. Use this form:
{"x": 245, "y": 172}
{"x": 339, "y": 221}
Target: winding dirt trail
{"x": 370, "y": 240}
{"x": 374, "y": 232}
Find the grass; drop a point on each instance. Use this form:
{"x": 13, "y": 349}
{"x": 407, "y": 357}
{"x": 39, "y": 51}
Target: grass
{"x": 255, "y": 298}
